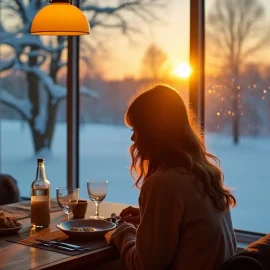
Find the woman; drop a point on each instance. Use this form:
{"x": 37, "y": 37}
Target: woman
{"x": 184, "y": 215}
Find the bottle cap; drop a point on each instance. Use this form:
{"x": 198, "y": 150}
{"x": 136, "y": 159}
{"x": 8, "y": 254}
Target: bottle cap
{"x": 40, "y": 160}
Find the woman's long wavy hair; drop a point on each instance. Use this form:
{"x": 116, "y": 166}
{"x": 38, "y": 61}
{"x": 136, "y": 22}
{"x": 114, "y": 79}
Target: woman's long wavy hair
{"x": 166, "y": 137}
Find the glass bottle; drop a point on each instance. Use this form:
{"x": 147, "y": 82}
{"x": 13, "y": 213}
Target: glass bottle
{"x": 40, "y": 198}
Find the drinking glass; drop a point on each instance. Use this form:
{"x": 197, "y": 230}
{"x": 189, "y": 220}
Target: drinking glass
{"x": 97, "y": 192}
{"x": 67, "y": 199}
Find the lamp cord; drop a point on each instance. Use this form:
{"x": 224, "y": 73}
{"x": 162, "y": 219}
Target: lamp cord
{"x": 61, "y": 1}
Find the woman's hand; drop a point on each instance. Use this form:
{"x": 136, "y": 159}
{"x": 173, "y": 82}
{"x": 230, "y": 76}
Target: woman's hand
{"x": 124, "y": 233}
{"x": 130, "y": 215}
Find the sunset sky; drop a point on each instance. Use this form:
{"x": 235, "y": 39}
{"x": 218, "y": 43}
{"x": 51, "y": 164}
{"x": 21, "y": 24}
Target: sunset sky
{"x": 172, "y": 36}
{"x": 171, "y": 33}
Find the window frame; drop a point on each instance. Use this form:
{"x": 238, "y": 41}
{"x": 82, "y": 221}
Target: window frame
{"x": 197, "y": 60}
{"x": 73, "y": 109}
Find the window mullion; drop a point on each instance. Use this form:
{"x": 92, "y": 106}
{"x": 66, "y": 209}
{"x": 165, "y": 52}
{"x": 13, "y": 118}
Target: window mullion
{"x": 197, "y": 59}
{"x": 73, "y": 96}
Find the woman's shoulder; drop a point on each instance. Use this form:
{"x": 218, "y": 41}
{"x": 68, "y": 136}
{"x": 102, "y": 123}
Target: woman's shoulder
{"x": 169, "y": 177}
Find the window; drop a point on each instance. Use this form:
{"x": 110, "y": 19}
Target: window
{"x": 237, "y": 97}
{"x": 131, "y": 47}
{"x": 32, "y": 93}
{"x": 128, "y": 48}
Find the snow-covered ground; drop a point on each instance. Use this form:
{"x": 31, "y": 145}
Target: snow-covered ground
{"x": 104, "y": 156}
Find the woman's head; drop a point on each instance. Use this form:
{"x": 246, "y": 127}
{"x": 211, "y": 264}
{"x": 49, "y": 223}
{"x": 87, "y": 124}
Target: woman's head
{"x": 160, "y": 123}
{"x": 165, "y": 137}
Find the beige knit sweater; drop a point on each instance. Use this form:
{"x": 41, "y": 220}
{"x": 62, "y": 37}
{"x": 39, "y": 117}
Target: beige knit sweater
{"x": 179, "y": 228}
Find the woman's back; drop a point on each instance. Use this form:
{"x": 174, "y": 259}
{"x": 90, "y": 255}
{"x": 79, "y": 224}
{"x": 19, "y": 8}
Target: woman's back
{"x": 206, "y": 237}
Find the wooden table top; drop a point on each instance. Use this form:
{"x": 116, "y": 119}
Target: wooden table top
{"x": 15, "y": 256}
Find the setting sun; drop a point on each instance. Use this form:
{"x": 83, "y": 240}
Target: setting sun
{"x": 182, "y": 70}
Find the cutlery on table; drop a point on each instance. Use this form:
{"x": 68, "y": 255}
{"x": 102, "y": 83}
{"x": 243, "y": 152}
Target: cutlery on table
{"x": 59, "y": 247}
{"x": 61, "y": 244}
{"x": 114, "y": 218}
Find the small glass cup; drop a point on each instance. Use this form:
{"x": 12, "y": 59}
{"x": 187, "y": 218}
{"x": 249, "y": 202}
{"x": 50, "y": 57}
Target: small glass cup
{"x": 97, "y": 192}
{"x": 67, "y": 199}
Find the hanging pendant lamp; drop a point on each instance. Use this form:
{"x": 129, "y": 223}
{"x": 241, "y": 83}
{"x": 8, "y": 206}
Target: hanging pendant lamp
{"x": 60, "y": 18}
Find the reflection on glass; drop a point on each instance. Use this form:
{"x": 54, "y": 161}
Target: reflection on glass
{"x": 237, "y": 102}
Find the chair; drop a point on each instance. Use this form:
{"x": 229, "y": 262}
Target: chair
{"x": 9, "y": 191}
{"x": 255, "y": 257}
{"x": 242, "y": 263}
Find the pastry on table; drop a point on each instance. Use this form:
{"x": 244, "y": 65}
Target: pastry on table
{"x": 8, "y": 222}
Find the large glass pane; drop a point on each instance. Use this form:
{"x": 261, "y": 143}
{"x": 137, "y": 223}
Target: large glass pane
{"x": 237, "y": 103}
{"x": 129, "y": 47}
{"x": 33, "y": 91}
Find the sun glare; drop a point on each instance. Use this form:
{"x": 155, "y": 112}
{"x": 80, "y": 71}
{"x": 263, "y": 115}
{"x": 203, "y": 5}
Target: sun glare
{"x": 182, "y": 70}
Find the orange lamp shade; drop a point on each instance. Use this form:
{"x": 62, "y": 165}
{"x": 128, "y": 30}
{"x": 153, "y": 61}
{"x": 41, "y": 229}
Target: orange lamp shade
{"x": 60, "y": 18}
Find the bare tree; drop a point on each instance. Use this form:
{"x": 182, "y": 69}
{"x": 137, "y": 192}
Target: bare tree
{"x": 33, "y": 54}
{"x": 236, "y": 31}
{"x": 153, "y": 63}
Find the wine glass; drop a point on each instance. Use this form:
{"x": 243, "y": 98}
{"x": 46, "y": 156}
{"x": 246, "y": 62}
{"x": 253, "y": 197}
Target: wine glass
{"x": 67, "y": 199}
{"x": 97, "y": 192}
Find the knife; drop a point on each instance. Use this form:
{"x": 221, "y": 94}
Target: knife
{"x": 56, "y": 243}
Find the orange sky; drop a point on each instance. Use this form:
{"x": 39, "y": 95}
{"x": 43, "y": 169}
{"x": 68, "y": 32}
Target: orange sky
{"x": 172, "y": 36}
{"x": 171, "y": 33}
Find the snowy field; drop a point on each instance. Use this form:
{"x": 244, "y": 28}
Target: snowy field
{"x": 104, "y": 156}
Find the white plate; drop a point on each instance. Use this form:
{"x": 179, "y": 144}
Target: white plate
{"x": 9, "y": 231}
{"x": 101, "y": 227}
